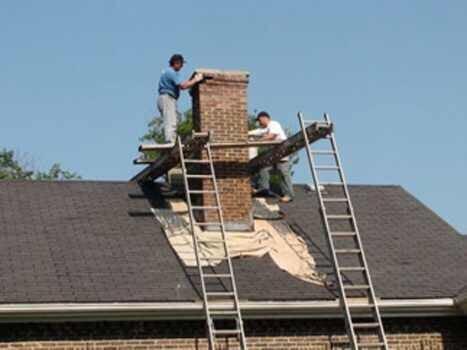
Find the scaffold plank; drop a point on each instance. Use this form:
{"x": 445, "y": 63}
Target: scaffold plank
{"x": 171, "y": 158}
{"x": 293, "y": 144}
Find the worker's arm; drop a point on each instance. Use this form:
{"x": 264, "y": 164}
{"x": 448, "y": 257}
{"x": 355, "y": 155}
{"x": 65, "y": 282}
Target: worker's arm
{"x": 257, "y": 132}
{"x": 274, "y": 131}
{"x": 190, "y": 82}
{"x": 262, "y": 134}
{"x": 269, "y": 136}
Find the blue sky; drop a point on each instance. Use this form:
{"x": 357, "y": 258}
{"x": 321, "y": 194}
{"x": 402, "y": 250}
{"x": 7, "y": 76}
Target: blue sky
{"x": 77, "y": 82}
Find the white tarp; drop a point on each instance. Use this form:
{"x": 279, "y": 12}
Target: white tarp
{"x": 273, "y": 237}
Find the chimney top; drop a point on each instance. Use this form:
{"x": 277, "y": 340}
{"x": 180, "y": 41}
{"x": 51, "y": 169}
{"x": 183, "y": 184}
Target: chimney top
{"x": 226, "y": 75}
{"x": 211, "y": 71}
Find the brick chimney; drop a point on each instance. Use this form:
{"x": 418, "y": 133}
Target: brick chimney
{"x": 220, "y": 107}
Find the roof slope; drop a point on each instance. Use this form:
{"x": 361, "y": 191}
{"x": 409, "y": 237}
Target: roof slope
{"x": 462, "y": 296}
{"x": 79, "y": 242}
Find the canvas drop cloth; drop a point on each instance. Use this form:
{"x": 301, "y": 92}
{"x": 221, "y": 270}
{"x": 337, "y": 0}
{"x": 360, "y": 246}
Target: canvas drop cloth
{"x": 274, "y": 237}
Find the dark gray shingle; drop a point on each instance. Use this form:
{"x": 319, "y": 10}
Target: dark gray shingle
{"x": 77, "y": 242}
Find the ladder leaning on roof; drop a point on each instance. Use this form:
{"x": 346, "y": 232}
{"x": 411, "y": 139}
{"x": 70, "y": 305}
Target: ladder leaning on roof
{"x": 357, "y": 324}
{"x": 216, "y": 313}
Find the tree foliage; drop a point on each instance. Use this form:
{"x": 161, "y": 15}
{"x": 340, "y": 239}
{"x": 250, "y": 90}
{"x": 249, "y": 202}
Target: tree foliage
{"x": 11, "y": 168}
{"x": 155, "y": 132}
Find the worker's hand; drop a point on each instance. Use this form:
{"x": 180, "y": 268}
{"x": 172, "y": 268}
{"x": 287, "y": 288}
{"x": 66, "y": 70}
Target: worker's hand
{"x": 198, "y": 77}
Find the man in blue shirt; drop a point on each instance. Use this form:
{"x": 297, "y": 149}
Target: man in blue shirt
{"x": 170, "y": 84}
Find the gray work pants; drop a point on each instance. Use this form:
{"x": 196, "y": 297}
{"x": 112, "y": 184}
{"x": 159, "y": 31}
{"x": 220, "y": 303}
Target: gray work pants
{"x": 285, "y": 178}
{"x": 167, "y": 106}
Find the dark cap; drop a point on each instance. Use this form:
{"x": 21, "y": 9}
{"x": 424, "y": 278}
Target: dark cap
{"x": 263, "y": 114}
{"x": 176, "y": 58}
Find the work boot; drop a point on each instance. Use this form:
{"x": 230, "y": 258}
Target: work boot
{"x": 286, "y": 199}
{"x": 263, "y": 192}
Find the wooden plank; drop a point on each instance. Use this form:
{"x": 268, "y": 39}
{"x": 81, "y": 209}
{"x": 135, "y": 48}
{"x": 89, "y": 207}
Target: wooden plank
{"x": 170, "y": 159}
{"x": 139, "y": 161}
{"x": 168, "y": 146}
{"x": 245, "y": 144}
{"x": 156, "y": 147}
{"x": 293, "y": 144}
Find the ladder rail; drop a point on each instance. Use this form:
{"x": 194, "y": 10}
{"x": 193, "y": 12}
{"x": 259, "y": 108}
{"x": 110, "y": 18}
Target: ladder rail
{"x": 227, "y": 251}
{"x": 195, "y": 240}
{"x": 362, "y": 258}
{"x": 357, "y": 231}
{"x": 211, "y": 313}
{"x": 343, "y": 300}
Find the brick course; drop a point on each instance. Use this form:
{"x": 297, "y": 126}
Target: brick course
{"x": 446, "y": 333}
{"x": 220, "y": 107}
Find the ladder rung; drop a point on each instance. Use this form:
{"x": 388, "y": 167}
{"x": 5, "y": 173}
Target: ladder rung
{"x": 335, "y": 200}
{"x": 226, "y": 331}
{"x": 197, "y": 161}
{"x": 339, "y": 216}
{"x": 217, "y": 275}
{"x": 319, "y": 122}
{"x": 361, "y": 305}
{"x": 343, "y": 234}
{"x": 223, "y": 312}
{"x": 196, "y": 207}
{"x": 322, "y": 152}
{"x": 357, "y": 287}
{"x": 328, "y": 183}
{"x": 352, "y": 268}
{"x": 207, "y": 223}
{"x": 210, "y": 241}
{"x": 199, "y": 176}
{"x": 371, "y": 345}
{"x": 201, "y": 191}
{"x": 326, "y": 167}
{"x": 348, "y": 251}
{"x": 214, "y": 258}
{"x": 366, "y": 325}
{"x": 220, "y": 294}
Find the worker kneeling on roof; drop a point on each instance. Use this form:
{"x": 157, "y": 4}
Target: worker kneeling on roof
{"x": 270, "y": 130}
{"x": 170, "y": 84}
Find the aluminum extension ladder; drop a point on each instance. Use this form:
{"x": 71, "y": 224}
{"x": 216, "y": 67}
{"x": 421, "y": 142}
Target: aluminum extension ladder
{"x": 360, "y": 319}
{"x": 227, "y": 308}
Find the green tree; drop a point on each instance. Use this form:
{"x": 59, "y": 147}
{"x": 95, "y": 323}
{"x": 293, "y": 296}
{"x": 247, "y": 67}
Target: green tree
{"x": 155, "y": 132}
{"x": 11, "y": 168}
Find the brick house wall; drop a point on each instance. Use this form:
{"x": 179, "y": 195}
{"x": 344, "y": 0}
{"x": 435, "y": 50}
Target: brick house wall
{"x": 447, "y": 333}
{"x": 220, "y": 107}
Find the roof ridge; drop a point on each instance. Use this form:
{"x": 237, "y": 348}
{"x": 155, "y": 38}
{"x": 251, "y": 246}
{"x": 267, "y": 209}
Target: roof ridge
{"x": 63, "y": 181}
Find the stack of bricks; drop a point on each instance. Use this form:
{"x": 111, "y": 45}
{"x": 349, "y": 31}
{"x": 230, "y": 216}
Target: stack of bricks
{"x": 220, "y": 107}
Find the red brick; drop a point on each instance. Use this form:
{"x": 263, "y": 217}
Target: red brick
{"x": 220, "y": 107}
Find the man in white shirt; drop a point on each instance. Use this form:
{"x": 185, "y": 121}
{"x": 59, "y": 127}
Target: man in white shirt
{"x": 270, "y": 130}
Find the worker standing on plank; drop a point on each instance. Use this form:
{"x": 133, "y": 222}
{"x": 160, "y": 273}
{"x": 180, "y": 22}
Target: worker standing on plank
{"x": 270, "y": 130}
{"x": 170, "y": 84}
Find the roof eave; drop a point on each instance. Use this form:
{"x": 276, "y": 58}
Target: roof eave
{"x": 194, "y": 310}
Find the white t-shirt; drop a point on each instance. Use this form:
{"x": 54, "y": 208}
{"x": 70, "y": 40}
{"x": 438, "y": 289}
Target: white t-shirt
{"x": 272, "y": 128}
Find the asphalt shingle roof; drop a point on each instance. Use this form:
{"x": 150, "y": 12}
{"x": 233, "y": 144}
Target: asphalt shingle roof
{"x": 90, "y": 241}
{"x": 462, "y": 294}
